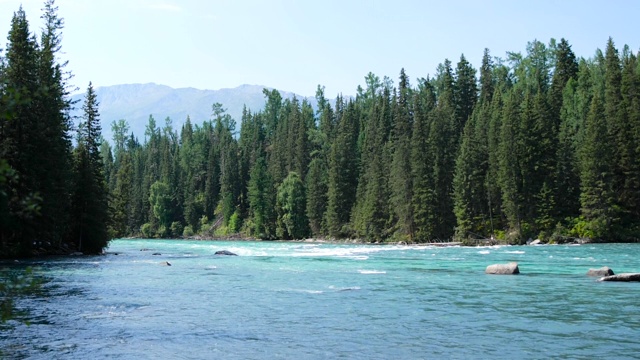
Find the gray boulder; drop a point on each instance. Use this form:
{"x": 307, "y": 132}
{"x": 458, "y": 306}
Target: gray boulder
{"x": 503, "y": 269}
{"x": 603, "y": 271}
{"x": 225, "y": 252}
{"x": 626, "y": 277}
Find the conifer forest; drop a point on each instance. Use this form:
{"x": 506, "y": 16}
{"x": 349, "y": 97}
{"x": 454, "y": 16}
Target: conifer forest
{"x": 542, "y": 144}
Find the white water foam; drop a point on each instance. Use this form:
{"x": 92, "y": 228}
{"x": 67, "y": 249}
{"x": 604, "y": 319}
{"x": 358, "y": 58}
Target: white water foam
{"x": 367, "y": 272}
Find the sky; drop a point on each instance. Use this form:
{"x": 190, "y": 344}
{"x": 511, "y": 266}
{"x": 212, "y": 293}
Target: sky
{"x": 296, "y": 45}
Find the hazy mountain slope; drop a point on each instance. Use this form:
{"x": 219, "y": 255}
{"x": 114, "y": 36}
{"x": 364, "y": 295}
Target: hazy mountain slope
{"x": 135, "y": 102}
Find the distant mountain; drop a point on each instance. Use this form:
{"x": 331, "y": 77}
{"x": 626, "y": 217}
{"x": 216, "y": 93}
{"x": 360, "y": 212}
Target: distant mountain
{"x": 135, "y": 102}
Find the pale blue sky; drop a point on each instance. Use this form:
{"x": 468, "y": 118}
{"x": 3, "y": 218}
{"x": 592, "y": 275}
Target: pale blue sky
{"x": 296, "y": 45}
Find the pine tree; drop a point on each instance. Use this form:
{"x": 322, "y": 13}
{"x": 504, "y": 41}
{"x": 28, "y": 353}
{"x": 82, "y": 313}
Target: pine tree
{"x": 566, "y": 68}
{"x": 545, "y": 145}
{"x": 150, "y": 160}
{"x": 90, "y": 204}
{"x": 191, "y": 170}
{"x": 443, "y": 143}
{"x": 509, "y": 172}
{"x": 573, "y": 114}
{"x": 54, "y": 145}
{"x": 21, "y": 135}
{"x": 121, "y": 195}
{"x": 229, "y": 174}
{"x": 625, "y": 169}
{"x": 251, "y": 146}
{"x": 316, "y": 194}
{"x": 597, "y": 196}
{"x": 343, "y": 173}
{"x": 212, "y": 164}
{"x": 494, "y": 190}
{"x": 472, "y": 165}
{"x": 630, "y": 192}
{"x": 487, "y": 85}
{"x": 371, "y": 213}
{"x": 400, "y": 180}
{"x": 465, "y": 93}
{"x": 422, "y": 162}
{"x": 260, "y": 195}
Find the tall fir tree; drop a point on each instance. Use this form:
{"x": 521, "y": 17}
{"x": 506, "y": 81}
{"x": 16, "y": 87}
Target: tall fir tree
{"x": 343, "y": 173}
{"x": 465, "y": 93}
{"x": 54, "y": 145}
{"x": 260, "y": 193}
{"x": 90, "y": 203}
{"x": 423, "y": 200}
{"x": 597, "y": 197}
{"x": 370, "y": 216}
{"x": 400, "y": 181}
{"x": 22, "y": 134}
{"x": 629, "y": 197}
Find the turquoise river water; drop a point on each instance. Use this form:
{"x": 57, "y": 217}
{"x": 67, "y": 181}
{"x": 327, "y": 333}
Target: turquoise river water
{"x": 292, "y": 300}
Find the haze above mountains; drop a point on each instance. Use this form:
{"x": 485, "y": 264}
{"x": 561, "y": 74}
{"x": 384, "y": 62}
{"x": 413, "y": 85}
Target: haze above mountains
{"x": 136, "y": 102}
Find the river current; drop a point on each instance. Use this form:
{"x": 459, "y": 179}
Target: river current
{"x": 292, "y": 300}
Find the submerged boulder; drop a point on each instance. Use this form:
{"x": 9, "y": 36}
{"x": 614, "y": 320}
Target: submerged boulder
{"x": 225, "y": 252}
{"x": 503, "y": 269}
{"x": 603, "y": 271}
{"x": 626, "y": 277}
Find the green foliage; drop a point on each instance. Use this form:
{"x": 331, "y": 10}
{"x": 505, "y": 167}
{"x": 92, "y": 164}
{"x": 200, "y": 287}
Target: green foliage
{"x": 147, "y": 230}
{"x": 343, "y": 173}
{"x": 35, "y": 139}
{"x": 177, "y": 228}
{"x": 401, "y": 184}
{"x": 235, "y": 223}
{"x": 541, "y": 145}
{"x": 90, "y": 200}
{"x": 188, "y": 231}
{"x": 163, "y": 232}
{"x": 597, "y": 195}
{"x": 260, "y": 199}
{"x": 160, "y": 200}
{"x": 292, "y": 220}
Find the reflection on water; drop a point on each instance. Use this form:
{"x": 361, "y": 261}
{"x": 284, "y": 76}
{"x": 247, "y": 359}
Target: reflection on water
{"x": 296, "y": 300}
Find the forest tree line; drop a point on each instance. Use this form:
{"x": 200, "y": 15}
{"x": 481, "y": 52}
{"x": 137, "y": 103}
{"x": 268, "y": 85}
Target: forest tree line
{"x": 537, "y": 145}
{"x": 53, "y": 197}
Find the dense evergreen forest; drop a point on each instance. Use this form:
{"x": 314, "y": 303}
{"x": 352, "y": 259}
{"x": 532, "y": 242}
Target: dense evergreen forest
{"x": 536, "y": 145}
{"x": 541, "y": 145}
{"x": 53, "y": 197}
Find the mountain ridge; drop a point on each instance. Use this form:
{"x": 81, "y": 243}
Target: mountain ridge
{"x": 136, "y": 102}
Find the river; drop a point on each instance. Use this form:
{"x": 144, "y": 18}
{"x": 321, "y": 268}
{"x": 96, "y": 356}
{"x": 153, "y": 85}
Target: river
{"x": 292, "y": 300}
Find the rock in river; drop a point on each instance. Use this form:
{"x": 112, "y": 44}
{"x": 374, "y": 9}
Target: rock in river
{"x": 626, "y": 277}
{"x": 225, "y": 252}
{"x": 503, "y": 269}
{"x": 603, "y": 271}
